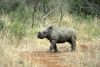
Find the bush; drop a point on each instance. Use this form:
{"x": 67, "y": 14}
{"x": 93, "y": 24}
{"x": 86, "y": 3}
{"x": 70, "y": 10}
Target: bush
{"x": 86, "y": 7}
{"x": 1, "y": 25}
{"x": 9, "y": 6}
{"x": 17, "y": 29}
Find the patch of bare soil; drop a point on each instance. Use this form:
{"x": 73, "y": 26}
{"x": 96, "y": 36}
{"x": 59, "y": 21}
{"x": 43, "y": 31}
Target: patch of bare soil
{"x": 45, "y": 58}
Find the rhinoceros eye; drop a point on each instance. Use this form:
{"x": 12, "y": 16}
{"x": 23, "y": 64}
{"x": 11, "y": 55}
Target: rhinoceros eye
{"x": 44, "y": 32}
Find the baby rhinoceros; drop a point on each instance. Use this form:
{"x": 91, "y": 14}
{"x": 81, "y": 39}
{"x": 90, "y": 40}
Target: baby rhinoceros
{"x": 58, "y": 35}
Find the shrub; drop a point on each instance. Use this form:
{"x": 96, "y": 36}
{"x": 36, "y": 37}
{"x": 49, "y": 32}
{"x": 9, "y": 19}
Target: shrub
{"x": 86, "y": 7}
{"x": 17, "y": 29}
{"x": 1, "y": 25}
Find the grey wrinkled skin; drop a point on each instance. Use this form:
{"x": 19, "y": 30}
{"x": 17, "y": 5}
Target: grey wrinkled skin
{"x": 59, "y": 35}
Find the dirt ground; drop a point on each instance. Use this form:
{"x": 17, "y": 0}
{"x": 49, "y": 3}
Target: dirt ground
{"x": 87, "y": 54}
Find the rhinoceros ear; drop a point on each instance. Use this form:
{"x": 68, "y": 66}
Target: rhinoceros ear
{"x": 50, "y": 27}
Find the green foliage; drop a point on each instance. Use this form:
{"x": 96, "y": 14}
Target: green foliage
{"x": 7, "y": 6}
{"x": 18, "y": 15}
{"x": 2, "y": 25}
{"x": 3, "y": 8}
{"x": 23, "y": 16}
{"x": 79, "y": 7}
{"x": 17, "y": 29}
{"x": 86, "y": 7}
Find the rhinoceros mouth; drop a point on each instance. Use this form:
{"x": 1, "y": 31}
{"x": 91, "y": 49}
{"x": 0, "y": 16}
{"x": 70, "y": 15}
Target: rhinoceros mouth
{"x": 40, "y": 37}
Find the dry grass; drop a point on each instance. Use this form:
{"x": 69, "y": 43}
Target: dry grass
{"x": 31, "y": 52}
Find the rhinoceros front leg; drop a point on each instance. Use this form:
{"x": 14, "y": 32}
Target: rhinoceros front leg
{"x": 53, "y": 46}
{"x": 73, "y": 44}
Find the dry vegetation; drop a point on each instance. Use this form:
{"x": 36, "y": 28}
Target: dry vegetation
{"x": 31, "y": 52}
{"x": 21, "y": 20}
